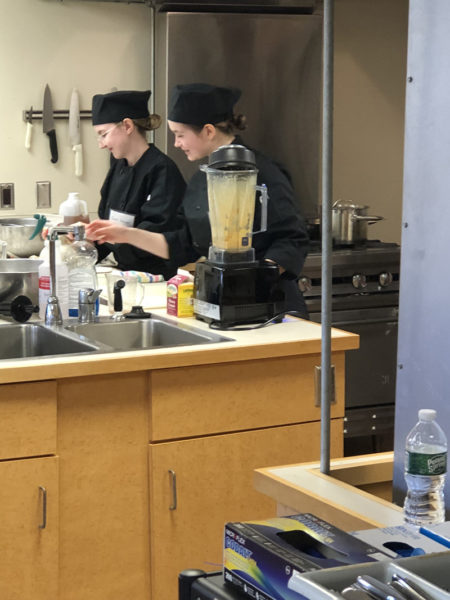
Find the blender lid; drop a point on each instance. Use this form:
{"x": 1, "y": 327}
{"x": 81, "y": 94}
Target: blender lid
{"x": 232, "y": 156}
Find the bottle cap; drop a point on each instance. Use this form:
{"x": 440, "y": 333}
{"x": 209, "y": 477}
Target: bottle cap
{"x": 427, "y": 414}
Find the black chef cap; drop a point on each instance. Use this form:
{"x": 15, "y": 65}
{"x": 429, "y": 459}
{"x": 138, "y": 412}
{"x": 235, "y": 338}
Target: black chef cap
{"x": 201, "y": 103}
{"x": 116, "y": 106}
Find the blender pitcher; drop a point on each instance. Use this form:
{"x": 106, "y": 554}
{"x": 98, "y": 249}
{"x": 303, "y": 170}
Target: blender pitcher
{"x": 231, "y": 177}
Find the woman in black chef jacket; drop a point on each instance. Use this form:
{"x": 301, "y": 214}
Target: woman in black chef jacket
{"x": 143, "y": 187}
{"x": 201, "y": 118}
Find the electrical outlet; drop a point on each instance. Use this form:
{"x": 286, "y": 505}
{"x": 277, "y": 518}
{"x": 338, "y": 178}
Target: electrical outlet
{"x": 43, "y": 194}
{"x": 6, "y": 195}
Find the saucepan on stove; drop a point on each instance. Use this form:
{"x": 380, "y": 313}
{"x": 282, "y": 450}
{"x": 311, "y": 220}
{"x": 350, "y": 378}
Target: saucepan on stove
{"x": 349, "y": 222}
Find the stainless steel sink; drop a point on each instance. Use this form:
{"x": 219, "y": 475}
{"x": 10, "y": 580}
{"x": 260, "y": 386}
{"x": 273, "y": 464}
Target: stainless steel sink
{"x": 31, "y": 340}
{"x": 143, "y": 334}
{"x": 27, "y": 341}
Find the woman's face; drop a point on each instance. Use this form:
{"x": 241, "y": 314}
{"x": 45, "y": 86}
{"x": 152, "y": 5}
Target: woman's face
{"x": 113, "y": 137}
{"x": 194, "y": 145}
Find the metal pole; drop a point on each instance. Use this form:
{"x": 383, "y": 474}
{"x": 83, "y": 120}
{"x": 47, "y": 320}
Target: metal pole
{"x": 327, "y": 190}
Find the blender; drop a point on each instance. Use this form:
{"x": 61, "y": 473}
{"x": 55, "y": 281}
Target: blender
{"x": 231, "y": 287}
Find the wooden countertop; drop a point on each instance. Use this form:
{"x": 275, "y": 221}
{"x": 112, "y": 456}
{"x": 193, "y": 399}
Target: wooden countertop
{"x": 346, "y": 497}
{"x": 291, "y": 337}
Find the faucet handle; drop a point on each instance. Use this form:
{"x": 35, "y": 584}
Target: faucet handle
{"x": 88, "y": 295}
{"x": 87, "y": 298}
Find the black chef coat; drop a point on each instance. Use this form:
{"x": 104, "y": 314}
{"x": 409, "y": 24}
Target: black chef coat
{"x": 151, "y": 191}
{"x": 285, "y": 242}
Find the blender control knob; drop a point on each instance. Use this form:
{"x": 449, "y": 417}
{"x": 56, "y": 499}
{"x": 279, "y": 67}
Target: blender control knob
{"x": 385, "y": 279}
{"x": 359, "y": 281}
{"x": 305, "y": 284}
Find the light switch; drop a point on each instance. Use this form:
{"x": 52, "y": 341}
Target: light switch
{"x": 7, "y": 195}
{"x": 43, "y": 194}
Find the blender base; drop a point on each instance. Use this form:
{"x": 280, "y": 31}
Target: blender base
{"x": 237, "y": 294}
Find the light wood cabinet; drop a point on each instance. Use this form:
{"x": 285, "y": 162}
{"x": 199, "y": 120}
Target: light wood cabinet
{"x": 214, "y": 485}
{"x": 210, "y": 427}
{"x": 107, "y": 448}
{"x": 29, "y": 530}
{"x": 104, "y": 506}
{"x": 29, "y": 500}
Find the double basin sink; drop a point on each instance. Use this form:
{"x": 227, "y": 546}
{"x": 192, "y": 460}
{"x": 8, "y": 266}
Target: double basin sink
{"x": 31, "y": 340}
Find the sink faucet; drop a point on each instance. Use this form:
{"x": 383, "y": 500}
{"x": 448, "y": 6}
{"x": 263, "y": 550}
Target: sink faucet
{"x": 87, "y": 299}
{"x": 53, "y": 314}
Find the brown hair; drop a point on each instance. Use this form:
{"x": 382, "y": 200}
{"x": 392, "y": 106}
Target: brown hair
{"x": 147, "y": 123}
{"x": 230, "y": 126}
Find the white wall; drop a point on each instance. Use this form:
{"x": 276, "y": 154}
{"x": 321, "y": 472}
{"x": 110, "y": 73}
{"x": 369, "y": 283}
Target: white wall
{"x": 92, "y": 46}
{"x": 370, "y": 83}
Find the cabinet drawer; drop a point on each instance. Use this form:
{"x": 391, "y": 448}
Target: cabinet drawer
{"x": 27, "y": 419}
{"x": 238, "y": 396}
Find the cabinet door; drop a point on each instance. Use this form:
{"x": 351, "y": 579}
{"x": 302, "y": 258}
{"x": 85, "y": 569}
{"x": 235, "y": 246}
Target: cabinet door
{"x": 214, "y": 485}
{"x": 29, "y": 529}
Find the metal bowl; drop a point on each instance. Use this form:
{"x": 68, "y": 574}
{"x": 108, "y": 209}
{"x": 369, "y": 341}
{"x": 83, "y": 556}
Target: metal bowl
{"x": 16, "y": 232}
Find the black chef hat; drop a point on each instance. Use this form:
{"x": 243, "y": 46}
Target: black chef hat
{"x": 201, "y": 103}
{"x": 116, "y": 106}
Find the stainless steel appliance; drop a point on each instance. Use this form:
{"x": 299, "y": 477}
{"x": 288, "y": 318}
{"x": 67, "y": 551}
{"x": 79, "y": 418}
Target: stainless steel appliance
{"x": 365, "y": 295}
{"x": 269, "y": 49}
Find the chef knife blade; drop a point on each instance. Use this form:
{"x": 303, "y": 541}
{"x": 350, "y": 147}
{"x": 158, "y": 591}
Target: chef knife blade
{"x": 74, "y": 131}
{"x": 48, "y": 123}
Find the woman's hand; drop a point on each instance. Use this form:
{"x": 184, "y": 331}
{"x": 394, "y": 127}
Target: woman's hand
{"x": 107, "y": 231}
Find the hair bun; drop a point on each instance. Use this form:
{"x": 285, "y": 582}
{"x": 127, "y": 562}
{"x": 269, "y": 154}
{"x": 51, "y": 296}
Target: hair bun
{"x": 240, "y": 122}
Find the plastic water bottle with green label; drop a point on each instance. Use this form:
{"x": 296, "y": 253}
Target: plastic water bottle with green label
{"x": 425, "y": 470}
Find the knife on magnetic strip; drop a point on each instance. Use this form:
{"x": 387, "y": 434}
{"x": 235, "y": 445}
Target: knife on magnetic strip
{"x": 74, "y": 132}
{"x": 48, "y": 123}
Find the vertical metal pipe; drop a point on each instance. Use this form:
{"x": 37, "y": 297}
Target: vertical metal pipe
{"x": 327, "y": 189}
{"x": 52, "y": 262}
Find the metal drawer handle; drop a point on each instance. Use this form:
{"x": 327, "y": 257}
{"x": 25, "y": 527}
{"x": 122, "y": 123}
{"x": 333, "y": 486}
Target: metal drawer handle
{"x": 173, "y": 477}
{"x": 43, "y": 491}
{"x": 318, "y": 386}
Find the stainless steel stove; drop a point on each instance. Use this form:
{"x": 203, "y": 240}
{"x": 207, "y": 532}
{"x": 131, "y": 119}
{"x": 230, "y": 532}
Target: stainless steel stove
{"x": 365, "y": 294}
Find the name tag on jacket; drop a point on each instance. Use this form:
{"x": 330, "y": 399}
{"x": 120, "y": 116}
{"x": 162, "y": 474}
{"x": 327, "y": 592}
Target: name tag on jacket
{"x": 120, "y": 217}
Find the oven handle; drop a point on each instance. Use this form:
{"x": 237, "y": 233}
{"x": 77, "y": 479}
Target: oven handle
{"x": 387, "y": 320}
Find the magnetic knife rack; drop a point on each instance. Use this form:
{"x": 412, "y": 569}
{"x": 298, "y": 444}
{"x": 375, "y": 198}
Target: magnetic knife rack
{"x": 30, "y": 115}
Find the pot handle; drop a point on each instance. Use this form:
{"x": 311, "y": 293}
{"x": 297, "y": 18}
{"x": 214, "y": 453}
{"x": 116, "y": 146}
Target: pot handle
{"x": 367, "y": 218}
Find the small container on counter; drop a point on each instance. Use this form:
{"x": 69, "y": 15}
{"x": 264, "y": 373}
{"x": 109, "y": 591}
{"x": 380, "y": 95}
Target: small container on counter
{"x": 180, "y": 294}
{"x": 73, "y": 209}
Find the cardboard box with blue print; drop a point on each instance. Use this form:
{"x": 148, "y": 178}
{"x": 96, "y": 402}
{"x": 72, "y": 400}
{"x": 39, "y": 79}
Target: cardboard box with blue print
{"x": 262, "y": 558}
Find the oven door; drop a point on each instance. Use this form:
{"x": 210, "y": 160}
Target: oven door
{"x": 371, "y": 370}
{"x": 370, "y": 374}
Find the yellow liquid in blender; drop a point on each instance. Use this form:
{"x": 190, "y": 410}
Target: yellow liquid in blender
{"x": 231, "y": 199}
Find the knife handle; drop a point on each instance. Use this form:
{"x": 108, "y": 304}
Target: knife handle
{"x": 28, "y": 131}
{"x": 78, "y": 159}
{"x": 53, "y": 146}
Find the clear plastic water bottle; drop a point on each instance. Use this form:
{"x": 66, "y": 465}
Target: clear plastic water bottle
{"x": 80, "y": 258}
{"x": 425, "y": 470}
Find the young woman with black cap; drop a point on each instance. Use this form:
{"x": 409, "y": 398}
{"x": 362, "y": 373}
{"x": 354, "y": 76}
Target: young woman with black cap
{"x": 201, "y": 118}
{"x": 143, "y": 187}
